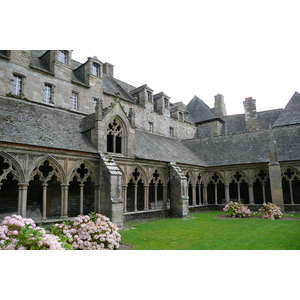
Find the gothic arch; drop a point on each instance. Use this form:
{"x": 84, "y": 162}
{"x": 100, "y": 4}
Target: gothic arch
{"x": 291, "y": 185}
{"x": 92, "y": 171}
{"x": 238, "y": 186}
{"x": 163, "y": 176}
{"x": 142, "y": 174}
{"x": 14, "y": 167}
{"x": 116, "y": 135}
{"x": 33, "y": 170}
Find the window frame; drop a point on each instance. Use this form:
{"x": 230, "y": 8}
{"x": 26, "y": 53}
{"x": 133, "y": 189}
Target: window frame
{"x": 73, "y": 101}
{"x": 18, "y": 85}
{"x": 48, "y": 87}
{"x": 63, "y": 56}
{"x": 96, "y": 69}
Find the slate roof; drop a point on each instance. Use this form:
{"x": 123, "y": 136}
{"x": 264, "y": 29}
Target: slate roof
{"x": 291, "y": 113}
{"x": 32, "y": 124}
{"x": 246, "y": 148}
{"x": 199, "y": 111}
{"x": 159, "y": 148}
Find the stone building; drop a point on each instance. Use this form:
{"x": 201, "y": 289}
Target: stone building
{"x": 75, "y": 139}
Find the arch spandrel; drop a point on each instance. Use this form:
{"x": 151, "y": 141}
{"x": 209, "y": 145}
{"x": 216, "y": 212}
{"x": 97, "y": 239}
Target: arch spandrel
{"x": 57, "y": 169}
{"x": 14, "y": 168}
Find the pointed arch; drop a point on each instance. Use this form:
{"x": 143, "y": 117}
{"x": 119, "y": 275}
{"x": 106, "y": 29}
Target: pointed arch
{"x": 14, "y": 167}
{"x": 116, "y": 135}
{"x": 92, "y": 171}
{"x": 291, "y": 185}
{"x": 33, "y": 169}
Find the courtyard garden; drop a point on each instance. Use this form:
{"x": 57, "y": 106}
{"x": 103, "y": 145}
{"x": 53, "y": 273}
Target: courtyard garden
{"x": 214, "y": 231}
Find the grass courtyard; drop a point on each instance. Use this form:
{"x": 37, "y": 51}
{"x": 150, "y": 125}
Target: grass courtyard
{"x": 203, "y": 231}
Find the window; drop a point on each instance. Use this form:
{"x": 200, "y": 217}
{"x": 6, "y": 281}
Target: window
{"x": 166, "y": 103}
{"x": 150, "y": 127}
{"x": 149, "y": 96}
{"x": 48, "y": 93}
{"x": 180, "y": 116}
{"x": 114, "y": 136}
{"x": 74, "y": 101}
{"x": 96, "y": 69}
{"x": 171, "y": 131}
{"x": 63, "y": 56}
{"x": 17, "y": 85}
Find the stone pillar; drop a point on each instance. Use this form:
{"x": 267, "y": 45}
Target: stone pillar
{"x": 124, "y": 193}
{"x": 251, "y": 194}
{"x": 44, "y": 185}
{"x": 205, "y": 202}
{"x": 216, "y": 193}
{"x": 276, "y": 187}
{"x": 199, "y": 191}
{"x": 23, "y": 187}
{"x": 135, "y": 196}
{"x": 81, "y": 185}
{"x": 194, "y": 194}
{"x": 155, "y": 195}
{"x": 146, "y": 197}
{"x": 227, "y": 194}
{"x": 64, "y": 201}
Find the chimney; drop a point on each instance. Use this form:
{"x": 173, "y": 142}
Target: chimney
{"x": 108, "y": 69}
{"x": 250, "y": 114}
{"x": 220, "y": 107}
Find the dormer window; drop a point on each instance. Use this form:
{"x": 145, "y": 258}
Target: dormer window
{"x": 149, "y": 96}
{"x": 63, "y": 56}
{"x": 96, "y": 69}
{"x": 180, "y": 116}
{"x": 166, "y": 103}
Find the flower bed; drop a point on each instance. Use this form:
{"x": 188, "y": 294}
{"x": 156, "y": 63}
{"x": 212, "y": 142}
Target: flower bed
{"x": 17, "y": 233}
{"x": 237, "y": 210}
{"x": 270, "y": 211}
{"x": 92, "y": 232}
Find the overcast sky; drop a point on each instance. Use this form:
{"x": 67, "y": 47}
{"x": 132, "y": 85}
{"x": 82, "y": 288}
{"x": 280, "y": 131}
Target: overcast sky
{"x": 184, "y": 48}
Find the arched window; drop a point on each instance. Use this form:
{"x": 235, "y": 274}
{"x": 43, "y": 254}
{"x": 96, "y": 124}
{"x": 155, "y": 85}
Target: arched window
{"x": 114, "y": 136}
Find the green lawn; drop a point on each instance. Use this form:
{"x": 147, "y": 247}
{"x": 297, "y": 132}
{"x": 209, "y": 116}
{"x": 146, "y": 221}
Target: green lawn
{"x": 202, "y": 231}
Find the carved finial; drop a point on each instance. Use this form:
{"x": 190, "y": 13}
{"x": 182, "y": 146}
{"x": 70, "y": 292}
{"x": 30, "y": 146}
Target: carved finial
{"x": 118, "y": 97}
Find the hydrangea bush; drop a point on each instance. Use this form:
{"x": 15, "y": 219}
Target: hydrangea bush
{"x": 17, "y": 233}
{"x": 270, "y": 211}
{"x": 237, "y": 210}
{"x": 89, "y": 232}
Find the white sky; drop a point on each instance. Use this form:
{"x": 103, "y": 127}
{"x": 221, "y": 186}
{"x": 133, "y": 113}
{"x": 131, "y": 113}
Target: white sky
{"x": 184, "y": 48}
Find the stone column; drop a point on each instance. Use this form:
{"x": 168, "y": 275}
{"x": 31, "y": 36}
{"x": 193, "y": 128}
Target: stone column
{"x": 135, "y": 196}
{"x": 251, "y": 194}
{"x": 146, "y": 197}
{"x": 199, "y": 190}
{"x": 155, "y": 195}
{"x": 44, "y": 185}
{"x": 23, "y": 187}
{"x": 64, "y": 201}
{"x": 227, "y": 194}
{"x": 194, "y": 194}
{"x": 205, "y": 194}
{"x": 124, "y": 192}
{"x": 216, "y": 193}
{"x": 81, "y": 185}
{"x": 276, "y": 187}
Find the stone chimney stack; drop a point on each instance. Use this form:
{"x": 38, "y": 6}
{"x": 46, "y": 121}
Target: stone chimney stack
{"x": 108, "y": 69}
{"x": 220, "y": 107}
{"x": 250, "y": 114}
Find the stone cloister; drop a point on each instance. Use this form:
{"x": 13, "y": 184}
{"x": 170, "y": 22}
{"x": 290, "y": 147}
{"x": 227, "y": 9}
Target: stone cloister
{"x": 96, "y": 143}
